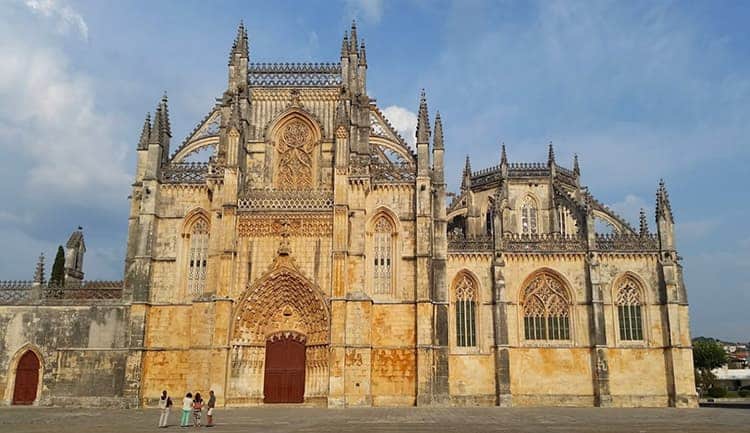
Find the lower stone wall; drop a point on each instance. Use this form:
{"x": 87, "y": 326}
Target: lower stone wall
{"x": 81, "y": 350}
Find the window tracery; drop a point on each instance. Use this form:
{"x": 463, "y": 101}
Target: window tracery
{"x": 546, "y": 308}
{"x": 629, "y": 315}
{"x": 294, "y": 148}
{"x": 466, "y": 327}
{"x": 383, "y": 252}
{"x": 198, "y": 259}
{"x": 528, "y": 216}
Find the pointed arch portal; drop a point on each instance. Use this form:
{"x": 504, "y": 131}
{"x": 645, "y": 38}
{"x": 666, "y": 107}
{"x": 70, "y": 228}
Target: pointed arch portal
{"x": 280, "y": 339}
{"x": 27, "y": 379}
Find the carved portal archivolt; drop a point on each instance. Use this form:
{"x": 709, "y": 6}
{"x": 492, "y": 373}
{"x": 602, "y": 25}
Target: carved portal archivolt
{"x": 283, "y": 301}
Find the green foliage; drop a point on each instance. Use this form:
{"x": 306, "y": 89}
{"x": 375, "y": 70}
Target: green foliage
{"x": 57, "y": 278}
{"x": 708, "y": 354}
{"x": 743, "y": 393}
{"x": 717, "y": 392}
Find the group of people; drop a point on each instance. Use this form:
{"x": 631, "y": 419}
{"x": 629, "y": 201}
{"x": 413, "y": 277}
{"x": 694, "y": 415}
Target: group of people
{"x": 190, "y": 405}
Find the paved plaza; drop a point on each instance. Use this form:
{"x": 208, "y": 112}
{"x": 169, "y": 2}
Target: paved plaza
{"x": 365, "y": 420}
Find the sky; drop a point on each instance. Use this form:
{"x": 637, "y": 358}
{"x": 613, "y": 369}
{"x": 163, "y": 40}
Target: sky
{"x": 640, "y": 90}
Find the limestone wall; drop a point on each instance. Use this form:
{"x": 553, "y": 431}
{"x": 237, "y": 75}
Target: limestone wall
{"x": 81, "y": 349}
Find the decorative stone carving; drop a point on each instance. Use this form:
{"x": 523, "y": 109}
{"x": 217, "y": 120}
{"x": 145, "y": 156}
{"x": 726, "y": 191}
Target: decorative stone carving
{"x": 294, "y": 149}
{"x": 287, "y": 225}
{"x": 282, "y": 300}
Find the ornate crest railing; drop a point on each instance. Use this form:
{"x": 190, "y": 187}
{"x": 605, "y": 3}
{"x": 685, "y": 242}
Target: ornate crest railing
{"x": 285, "y": 200}
{"x": 463, "y": 243}
{"x": 27, "y": 292}
{"x": 294, "y": 74}
{"x": 548, "y": 242}
{"x": 627, "y": 242}
{"x": 185, "y": 172}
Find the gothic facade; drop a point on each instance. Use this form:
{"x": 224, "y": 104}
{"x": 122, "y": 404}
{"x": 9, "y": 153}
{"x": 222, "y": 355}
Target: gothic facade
{"x": 314, "y": 259}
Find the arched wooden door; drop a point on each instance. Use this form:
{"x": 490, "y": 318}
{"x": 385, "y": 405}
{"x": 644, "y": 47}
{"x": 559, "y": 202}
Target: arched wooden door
{"x": 27, "y": 379}
{"x": 284, "y": 380}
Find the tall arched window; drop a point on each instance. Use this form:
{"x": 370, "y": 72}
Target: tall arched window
{"x": 466, "y": 324}
{"x": 383, "y": 256}
{"x": 528, "y": 216}
{"x": 198, "y": 257}
{"x": 629, "y": 303}
{"x": 546, "y": 309}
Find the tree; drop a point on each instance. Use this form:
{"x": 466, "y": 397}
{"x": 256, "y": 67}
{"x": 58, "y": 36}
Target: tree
{"x": 707, "y": 355}
{"x": 57, "y": 278}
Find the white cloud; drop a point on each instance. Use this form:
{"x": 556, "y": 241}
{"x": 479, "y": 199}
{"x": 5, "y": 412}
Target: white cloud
{"x": 65, "y": 17}
{"x": 62, "y": 163}
{"x": 369, "y": 10}
{"x": 49, "y": 114}
{"x": 630, "y": 208}
{"x": 404, "y": 121}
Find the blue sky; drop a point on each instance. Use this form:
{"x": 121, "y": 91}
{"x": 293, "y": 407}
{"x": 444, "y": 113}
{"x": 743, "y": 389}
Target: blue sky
{"x": 640, "y": 90}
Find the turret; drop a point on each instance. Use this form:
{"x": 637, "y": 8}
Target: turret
{"x": 466, "y": 179}
{"x": 74, "y": 250}
{"x": 550, "y": 156}
{"x": 438, "y": 151}
{"x": 39, "y": 271}
{"x": 238, "y": 61}
{"x": 664, "y": 218}
{"x": 423, "y": 137}
{"x": 503, "y": 161}
{"x": 145, "y": 133}
{"x": 643, "y": 226}
{"x": 166, "y": 129}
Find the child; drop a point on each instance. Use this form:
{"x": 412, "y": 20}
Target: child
{"x": 197, "y": 406}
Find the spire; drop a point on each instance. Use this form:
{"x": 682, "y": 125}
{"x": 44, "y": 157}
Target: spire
{"x": 663, "y": 207}
{"x": 145, "y": 133}
{"x": 643, "y": 223}
{"x": 166, "y": 125}
{"x": 353, "y": 38}
{"x": 550, "y": 154}
{"x": 345, "y": 45}
{"x": 576, "y": 168}
{"x": 240, "y": 44}
{"x": 503, "y": 156}
{"x": 438, "y": 137}
{"x": 423, "y": 120}
{"x": 39, "y": 271}
{"x": 362, "y": 55}
{"x": 156, "y": 129}
{"x": 466, "y": 181}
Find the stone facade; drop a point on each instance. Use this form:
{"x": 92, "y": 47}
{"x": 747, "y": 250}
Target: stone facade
{"x": 314, "y": 219}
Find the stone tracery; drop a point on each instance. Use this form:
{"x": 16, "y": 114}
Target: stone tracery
{"x": 283, "y": 300}
{"x": 294, "y": 148}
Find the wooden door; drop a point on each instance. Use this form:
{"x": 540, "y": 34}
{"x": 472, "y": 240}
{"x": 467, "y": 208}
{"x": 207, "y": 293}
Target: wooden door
{"x": 27, "y": 379}
{"x": 285, "y": 370}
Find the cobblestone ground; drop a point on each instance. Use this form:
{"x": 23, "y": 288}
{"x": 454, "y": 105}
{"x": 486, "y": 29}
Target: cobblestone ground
{"x": 366, "y": 420}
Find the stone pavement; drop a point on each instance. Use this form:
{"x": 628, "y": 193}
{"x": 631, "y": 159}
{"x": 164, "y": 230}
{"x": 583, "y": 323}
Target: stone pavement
{"x": 365, "y": 420}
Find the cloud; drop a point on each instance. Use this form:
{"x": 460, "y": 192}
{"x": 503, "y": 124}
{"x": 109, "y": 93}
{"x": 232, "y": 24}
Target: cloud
{"x": 63, "y": 164}
{"x": 404, "y": 121}
{"x": 65, "y": 17}
{"x": 369, "y": 10}
{"x": 630, "y": 208}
